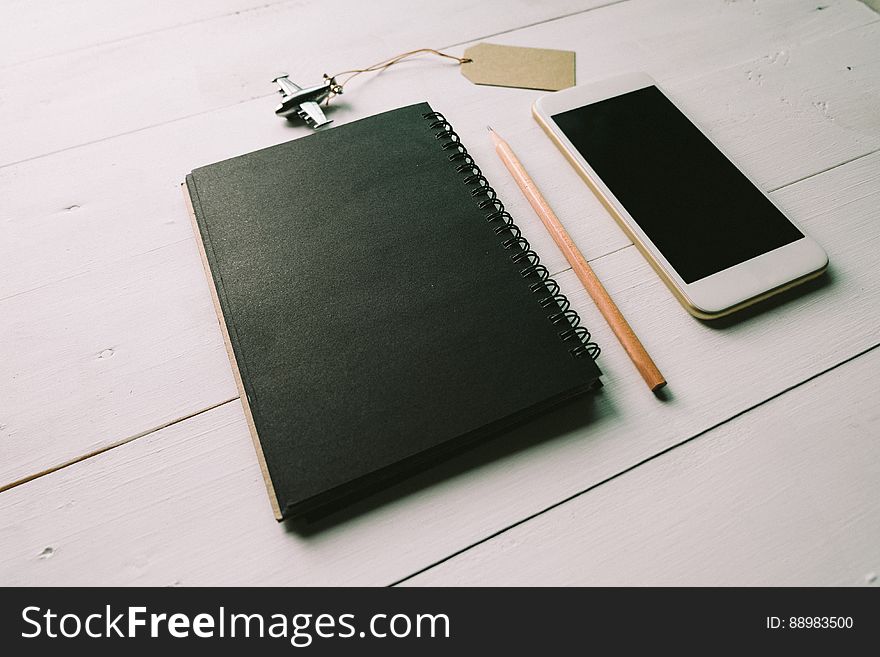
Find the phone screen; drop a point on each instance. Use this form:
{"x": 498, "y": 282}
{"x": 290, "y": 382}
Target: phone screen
{"x": 697, "y": 208}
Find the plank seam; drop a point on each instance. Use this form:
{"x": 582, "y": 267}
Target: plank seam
{"x": 825, "y": 170}
{"x": 107, "y": 448}
{"x": 147, "y": 432}
{"x": 630, "y": 468}
{"x": 775, "y": 189}
{"x": 138, "y": 35}
{"x": 273, "y": 94}
{"x": 611, "y": 3}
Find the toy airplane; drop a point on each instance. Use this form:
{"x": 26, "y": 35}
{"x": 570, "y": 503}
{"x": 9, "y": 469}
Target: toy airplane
{"x": 305, "y": 103}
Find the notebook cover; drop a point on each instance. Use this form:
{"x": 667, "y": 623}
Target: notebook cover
{"x": 375, "y": 321}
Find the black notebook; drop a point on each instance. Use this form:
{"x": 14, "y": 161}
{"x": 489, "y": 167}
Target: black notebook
{"x": 381, "y": 308}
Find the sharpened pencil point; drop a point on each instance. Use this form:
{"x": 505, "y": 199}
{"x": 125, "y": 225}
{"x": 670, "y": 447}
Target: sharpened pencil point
{"x": 489, "y": 128}
{"x": 605, "y": 304}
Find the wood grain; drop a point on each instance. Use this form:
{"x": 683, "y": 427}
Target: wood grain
{"x": 86, "y": 240}
{"x": 109, "y": 89}
{"x": 43, "y": 29}
{"x": 107, "y": 322}
{"x": 785, "y": 495}
{"x": 194, "y": 480}
{"x": 86, "y": 361}
{"x": 119, "y": 202}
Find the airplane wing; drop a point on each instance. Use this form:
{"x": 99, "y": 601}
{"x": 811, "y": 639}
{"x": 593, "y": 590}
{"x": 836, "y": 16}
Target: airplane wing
{"x": 288, "y": 87}
{"x": 312, "y": 114}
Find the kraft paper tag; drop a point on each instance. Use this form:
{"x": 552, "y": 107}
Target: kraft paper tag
{"x": 527, "y": 68}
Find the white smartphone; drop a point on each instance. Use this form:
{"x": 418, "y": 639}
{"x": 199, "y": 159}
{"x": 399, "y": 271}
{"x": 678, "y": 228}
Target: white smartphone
{"x": 711, "y": 234}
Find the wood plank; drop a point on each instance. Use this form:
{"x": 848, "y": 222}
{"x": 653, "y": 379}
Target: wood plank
{"x": 76, "y": 218}
{"x": 42, "y": 29}
{"x": 132, "y": 203}
{"x": 110, "y": 89}
{"x": 87, "y": 361}
{"x": 785, "y": 495}
{"x": 158, "y": 510}
{"x": 782, "y": 115}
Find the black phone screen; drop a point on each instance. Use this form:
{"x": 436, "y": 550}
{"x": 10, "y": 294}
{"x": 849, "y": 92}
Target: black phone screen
{"x": 698, "y": 209}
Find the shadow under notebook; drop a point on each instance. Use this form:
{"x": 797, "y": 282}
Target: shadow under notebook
{"x": 554, "y": 425}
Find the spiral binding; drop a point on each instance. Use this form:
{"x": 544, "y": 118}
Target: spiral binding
{"x": 533, "y": 267}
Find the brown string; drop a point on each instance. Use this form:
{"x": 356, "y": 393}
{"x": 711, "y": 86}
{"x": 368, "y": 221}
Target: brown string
{"x": 381, "y": 66}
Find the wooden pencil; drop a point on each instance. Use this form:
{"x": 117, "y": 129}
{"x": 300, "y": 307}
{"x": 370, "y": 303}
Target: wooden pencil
{"x": 621, "y": 328}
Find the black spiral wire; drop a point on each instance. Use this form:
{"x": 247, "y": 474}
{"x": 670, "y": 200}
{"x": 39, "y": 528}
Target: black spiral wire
{"x": 492, "y": 205}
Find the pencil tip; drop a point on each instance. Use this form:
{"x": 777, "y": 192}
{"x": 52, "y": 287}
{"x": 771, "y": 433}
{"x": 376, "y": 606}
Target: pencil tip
{"x": 489, "y": 128}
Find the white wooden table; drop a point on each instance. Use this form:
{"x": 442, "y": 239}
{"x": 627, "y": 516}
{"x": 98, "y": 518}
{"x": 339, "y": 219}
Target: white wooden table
{"x": 124, "y": 455}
